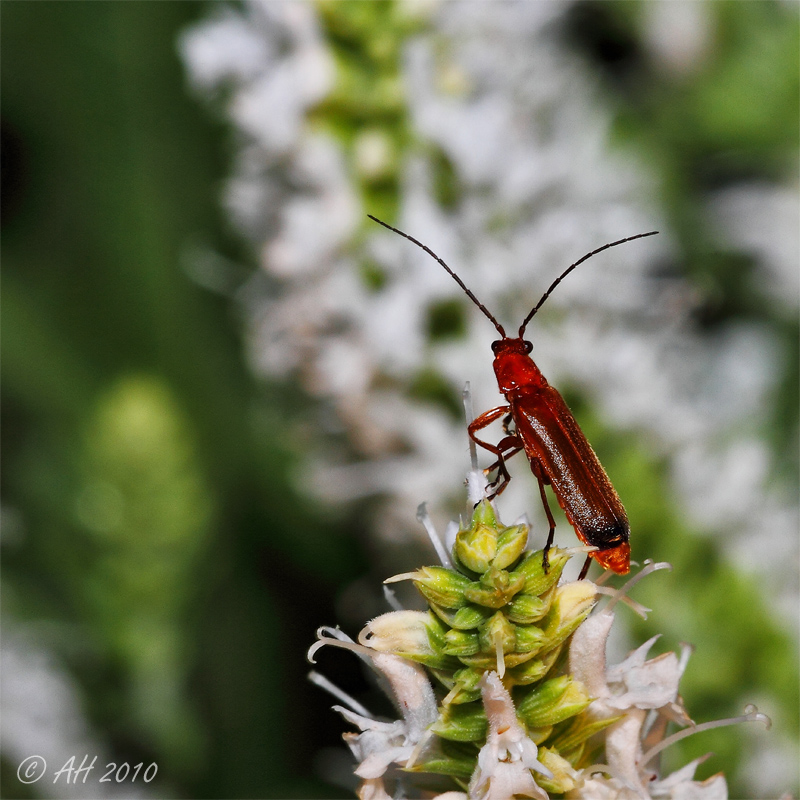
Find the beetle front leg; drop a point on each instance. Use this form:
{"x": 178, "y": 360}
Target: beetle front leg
{"x": 484, "y": 421}
{"x": 506, "y": 448}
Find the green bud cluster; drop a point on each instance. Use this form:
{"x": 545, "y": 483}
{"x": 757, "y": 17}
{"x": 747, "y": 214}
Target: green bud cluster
{"x": 501, "y": 609}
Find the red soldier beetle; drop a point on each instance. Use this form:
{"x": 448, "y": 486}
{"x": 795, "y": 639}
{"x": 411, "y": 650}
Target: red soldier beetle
{"x": 544, "y": 427}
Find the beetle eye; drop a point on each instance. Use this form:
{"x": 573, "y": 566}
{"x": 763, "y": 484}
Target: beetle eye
{"x": 528, "y": 347}
{"x": 496, "y": 346}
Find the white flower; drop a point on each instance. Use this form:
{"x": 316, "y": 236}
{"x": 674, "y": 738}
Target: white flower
{"x": 381, "y": 744}
{"x": 677, "y": 786}
{"x": 645, "y": 692}
{"x": 506, "y": 760}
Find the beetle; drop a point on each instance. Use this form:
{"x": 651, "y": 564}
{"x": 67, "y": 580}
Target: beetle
{"x": 558, "y": 452}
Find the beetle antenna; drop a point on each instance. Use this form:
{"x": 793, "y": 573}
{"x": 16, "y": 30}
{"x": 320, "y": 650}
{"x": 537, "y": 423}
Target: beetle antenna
{"x": 458, "y": 280}
{"x": 572, "y": 267}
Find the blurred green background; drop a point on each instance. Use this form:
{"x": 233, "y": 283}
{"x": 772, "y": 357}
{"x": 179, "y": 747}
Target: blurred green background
{"x": 185, "y": 626}
{"x": 152, "y": 541}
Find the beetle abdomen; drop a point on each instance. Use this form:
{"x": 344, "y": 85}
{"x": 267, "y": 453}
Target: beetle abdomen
{"x": 554, "y": 441}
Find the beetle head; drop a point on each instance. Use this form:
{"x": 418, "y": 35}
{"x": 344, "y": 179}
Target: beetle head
{"x": 514, "y": 367}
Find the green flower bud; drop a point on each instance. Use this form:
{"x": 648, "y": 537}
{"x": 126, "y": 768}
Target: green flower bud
{"x": 527, "y": 608}
{"x": 575, "y": 756}
{"x": 461, "y": 643}
{"x": 553, "y": 701}
{"x": 466, "y": 686}
{"x": 530, "y": 671}
{"x": 471, "y": 617}
{"x": 564, "y": 776}
{"x": 495, "y": 588}
{"x": 486, "y": 542}
{"x": 497, "y": 629}
{"x": 462, "y": 723}
{"x": 467, "y": 618}
{"x": 468, "y": 678}
{"x": 417, "y": 635}
{"x": 538, "y": 735}
{"x": 533, "y": 670}
{"x": 577, "y": 730}
{"x": 510, "y": 545}
{"x": 571, "y": 606}
{"x": 537, "y": 581}
{"x": 476, "y": 547}
{"x": 486, "y": 661}
{"x": 529, "y": 639}
{"x": 458, "y": 764}
{"x": 462, "y": 684}
{"x": 442, "y": 586}
{"x": 484, "y": 514}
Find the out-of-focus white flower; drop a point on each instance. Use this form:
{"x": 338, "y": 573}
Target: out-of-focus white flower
{"x": 527, "y": 142}
{"x": 679, "y": 34}
{"x": 42, "y": 715}
{"x": 528, "y": 145}
{"x": 760, "y": 219}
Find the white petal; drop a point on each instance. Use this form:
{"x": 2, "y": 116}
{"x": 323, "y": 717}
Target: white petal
{"x": 389, "y": 729}
{"x": 587, "y": 654}
{"x": 652, "y": 685}
{"x": 373, "y": 789}
{"x": 375, "y": 764}
{"x": 371, "y": 743}
{"x": 685, "y": 773}
{"x": 624, "y": 751}
{"x": 413, "y": 693}
{"x": 713, "y": 788}
{"x": 498, "y": 704}
{"x": 635, "y": 658}
{"x": 604, "y": 788}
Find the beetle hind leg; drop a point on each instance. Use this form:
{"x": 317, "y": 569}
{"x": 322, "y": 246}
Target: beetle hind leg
{"x": 537, "y": 471}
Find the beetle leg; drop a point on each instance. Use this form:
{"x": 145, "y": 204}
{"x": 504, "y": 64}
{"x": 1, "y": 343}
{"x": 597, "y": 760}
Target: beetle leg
{"x": 508, "y": 447}
{"x": 483, "y": 421}
{"x": 537, "y": 471}
{"x": 585, "y": 568}
{"x": 504, "y": 449}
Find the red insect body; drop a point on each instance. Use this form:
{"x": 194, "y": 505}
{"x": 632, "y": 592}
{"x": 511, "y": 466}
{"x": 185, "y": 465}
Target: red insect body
{"x": 559, "y": 455}
{"x": 557, "y": 450}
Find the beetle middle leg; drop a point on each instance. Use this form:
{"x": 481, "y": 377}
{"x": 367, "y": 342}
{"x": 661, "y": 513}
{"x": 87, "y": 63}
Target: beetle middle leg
{"x": 509, "y": 447}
